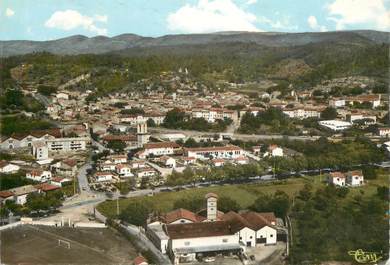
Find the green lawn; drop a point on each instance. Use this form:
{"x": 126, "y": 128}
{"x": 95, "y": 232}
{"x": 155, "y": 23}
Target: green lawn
{"x": 244, "y": 194}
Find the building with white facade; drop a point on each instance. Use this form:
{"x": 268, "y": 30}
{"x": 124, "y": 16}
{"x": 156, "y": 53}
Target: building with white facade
{"x": 213, "y": 114}
{"x": 40, "y": 150}
{"x": 186, "y": 236}
{"x": 337, "y": 179}
{"x": 384, "y": 131}
{"x": 226, "y": 152}
{"x": 337, "y": 102}
{"x": 335, "y": 125}
{"x": 39, "y": 175}
{"x": 20, "y": 193}
{"x": 8, "y": 168}
{"x": 103, "y": 176}
{"x": 302, "y": 112}
{"x": 159, "y": 149}
{"x": 355, "y": 178}
{"x": 274, "y": 150}
{"x": 123, "y": 170}
{"x": 68, "y": 144}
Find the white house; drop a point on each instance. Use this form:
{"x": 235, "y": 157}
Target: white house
{"x": 227, "y": 152}
{"x": 8, "y": 168}
{"x": 274, "y": 150}
{"x": 168, "y": 161}
{"x": 355, "y": 178}
{"x": 107, "y": 166}
{"x": 62, "y": 95}
{"x": 103, "y": 176}
{"x": 39, "y": 175}
{"x": 218, "y": 162}
{"x": 21, "y": 193}
{"x": 242, "y": 160}
{"x": 187, "y": 160}
{"x": 337, "y": 102}
{"x": 384, "y": 131}
{"x": 160, "y": 148}
{"x": 59, "y": 181}
{"x": 337, "y": 179}
{"x": 6, "y": 195}
{"x": 117, "y": 159}
{"x": 123, "y": 170}
{"x": 145, "y": 172}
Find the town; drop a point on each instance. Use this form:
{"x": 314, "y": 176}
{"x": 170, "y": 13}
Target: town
{"x": 188, "y": 169}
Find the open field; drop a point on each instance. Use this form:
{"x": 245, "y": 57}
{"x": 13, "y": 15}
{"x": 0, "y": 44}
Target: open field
{"x": 244, "y": 194}
{"x": 39, "y": 245}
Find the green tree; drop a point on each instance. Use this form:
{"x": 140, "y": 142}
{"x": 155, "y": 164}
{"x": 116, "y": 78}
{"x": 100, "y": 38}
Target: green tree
{"x": 137, "y": 212}
{"x": 46, "y": 90}
{"x": 329, "y": 113}
{"x": 117, "y": 145}
{"x": 150, "y": 122}
{"x": 226, "y": 204}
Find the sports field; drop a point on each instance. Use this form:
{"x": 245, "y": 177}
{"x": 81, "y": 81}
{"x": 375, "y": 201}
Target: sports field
{"x": 40, "y": 245}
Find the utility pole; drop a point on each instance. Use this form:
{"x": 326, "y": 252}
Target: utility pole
{"x": 74, "y": 184}
{"x": 117, "y": 206}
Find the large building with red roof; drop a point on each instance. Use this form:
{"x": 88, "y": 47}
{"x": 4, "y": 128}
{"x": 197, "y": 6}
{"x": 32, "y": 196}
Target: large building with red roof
{"x": 185, "y": 235}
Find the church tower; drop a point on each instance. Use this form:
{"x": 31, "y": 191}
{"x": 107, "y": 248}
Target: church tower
{"x": 212, "y": 210}
{"x": 142, "y": 134}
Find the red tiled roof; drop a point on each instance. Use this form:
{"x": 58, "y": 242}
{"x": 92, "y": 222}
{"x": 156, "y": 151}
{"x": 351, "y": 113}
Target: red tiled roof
{"x": 178, "y": 214}
{"x": 214, "y": 148}
{"x": 3, "y": 163}
{"x": 337, "y": 175}
{"x": 46, "y": 187}
{"x": 161, "y": 145}
{"x": 355, "y": 173}
{"x": 126, "y": 138}
{"x": 203, "y": 229}
{"x": 36, "y": 172}
{"x": 5, "y": 194}
{"x": 139, "y": 260}
{"x": 70, "y": 162}
{"x": 55, "y": 132}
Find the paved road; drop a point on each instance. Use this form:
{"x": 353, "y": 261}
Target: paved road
{"x": 41, "y": 98}
{"x": 83, "y": 179}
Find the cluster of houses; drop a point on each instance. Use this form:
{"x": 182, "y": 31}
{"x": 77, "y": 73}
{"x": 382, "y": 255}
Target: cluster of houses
{"x": 117, "y": 168}
{"x": 43, "y": 143}
{"x": 186, "y": 236}
{"x": 349, "y": 179}
{"x": 50, "y": 178}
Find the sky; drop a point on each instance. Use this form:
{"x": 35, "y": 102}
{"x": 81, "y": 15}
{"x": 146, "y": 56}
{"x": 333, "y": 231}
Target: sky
{"x": 53, "y": 19}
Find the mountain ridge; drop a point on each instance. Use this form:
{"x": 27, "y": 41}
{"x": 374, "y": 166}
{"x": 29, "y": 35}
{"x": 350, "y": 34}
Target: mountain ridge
{"x": 79, "y": 44}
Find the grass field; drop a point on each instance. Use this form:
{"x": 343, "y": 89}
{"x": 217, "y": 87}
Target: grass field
{"x": 244, "y": 194}
{"x": 39, "y": 245}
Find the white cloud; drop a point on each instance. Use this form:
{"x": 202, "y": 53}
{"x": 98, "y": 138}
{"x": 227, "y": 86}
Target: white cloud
{"x": 283, "y": 23}
{"x": 313, "y": 24}
{"x": 211, "y": 16}
{"x": 251, "y": 2}
{"x": 372, "y": 13}
{"x": 9, "y": 12}
{"x": 71, "y": 19}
